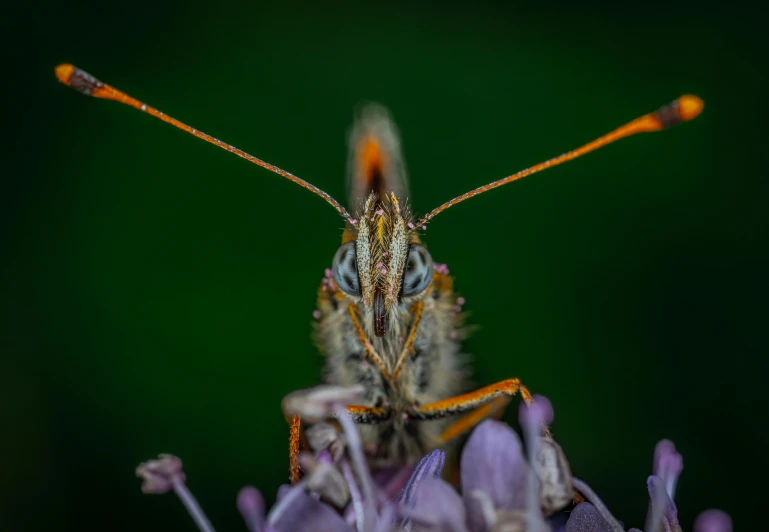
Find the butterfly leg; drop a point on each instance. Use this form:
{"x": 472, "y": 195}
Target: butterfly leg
{"x": 493, "y": 409}
{"x": 474, "y": 405}
{"x": 359, "y": 414}
{"x": 293, "y": 449}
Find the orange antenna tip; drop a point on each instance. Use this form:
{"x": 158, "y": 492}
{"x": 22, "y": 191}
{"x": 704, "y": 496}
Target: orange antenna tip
{"x": 679, "y": 110}
{"x": 81, "y": 81}
{"x": 689, "y": 107}
{"x": 64, "y": 72}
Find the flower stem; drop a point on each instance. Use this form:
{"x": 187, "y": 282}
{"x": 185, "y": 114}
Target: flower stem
{"x": 193, "y": 508}
{"x": 357, "y": 502}
{"x": 361, "y": 467}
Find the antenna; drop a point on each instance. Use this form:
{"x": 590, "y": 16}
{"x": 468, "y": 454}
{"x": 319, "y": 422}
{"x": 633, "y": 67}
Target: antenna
{"x": 680, "y": 110}
{"x": 85, "y": 83}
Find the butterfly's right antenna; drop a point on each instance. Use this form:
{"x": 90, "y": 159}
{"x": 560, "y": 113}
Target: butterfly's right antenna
{"x": 85, "y": 83}
{"x": 680, "y": 110}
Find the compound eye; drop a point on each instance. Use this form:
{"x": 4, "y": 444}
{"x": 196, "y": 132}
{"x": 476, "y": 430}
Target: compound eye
{"x": 418, "y": 271}
{"x": 345, "y": 268}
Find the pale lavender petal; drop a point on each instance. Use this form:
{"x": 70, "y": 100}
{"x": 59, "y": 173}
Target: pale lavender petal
{"x": 300, "y": 512}
{"x": 713, "y": 521}
{"x": 492, "y": 463}
{"x": 251, "y": 506}
{"x": 354, "y": 513}
{"x": 319, "y": 403}
{"x": 386, "y": 518}
{"x": 662, "y": 505}
{"x": 532, "y": 417}
{"x": 359, "y": 464}
{"x": 668, "y": 465}
{"x": 439, "y": 498}
{"x": 283, "y": 490}
{"x": 430, "y": 466}
{"x": 585, "y": 518}
{"x": 324, "y": 457}
{"x": 539, "y": 412}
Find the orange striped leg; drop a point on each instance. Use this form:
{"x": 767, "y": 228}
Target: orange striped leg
{"x": 468, "y": 402}
{"x": 410, "y": 340}
{"x": 375, "y": 358}
{"x": 493, "y": 409}
{"x": 293, "y": 450}
{"x": 359, "y": 414}
{"x": 461, "y": 404}
{"x": 367, "y": 415}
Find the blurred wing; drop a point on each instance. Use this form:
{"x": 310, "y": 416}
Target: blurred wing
{"x": 375, "y": 162}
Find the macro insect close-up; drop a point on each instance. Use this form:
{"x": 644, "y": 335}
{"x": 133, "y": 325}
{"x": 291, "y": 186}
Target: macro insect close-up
{"x": 387, "y": 317}
{"x": 163, "y": 295}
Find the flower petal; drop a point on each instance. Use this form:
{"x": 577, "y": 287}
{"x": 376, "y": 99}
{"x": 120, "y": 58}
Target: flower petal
{"x": 492, "y": 463}
{"x": 537, "y": 413}
{"x": 662, "y": 506}
{"x": 300, "y": 512}
{"x": 585, "y": 518}
{"x": 713, "y": 521}
{"x": 550, "y": 465}
{"x": 159, "y": 475}
{"x": 319, "y": 403}
{"x": 251, "y": 506}
{"x": 283, "y": 490}
{"x": 430, "y": 466}
{"x": 668, "y": 465}
{"x": 437, "y": 497}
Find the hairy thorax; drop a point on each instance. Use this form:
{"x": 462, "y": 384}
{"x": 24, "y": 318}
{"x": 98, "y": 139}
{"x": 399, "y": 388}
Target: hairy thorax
{"x": 433, "y": 370}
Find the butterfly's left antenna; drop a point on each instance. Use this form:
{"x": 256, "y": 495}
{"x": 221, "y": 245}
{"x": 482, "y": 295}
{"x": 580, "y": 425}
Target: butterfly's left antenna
{"x": 85, "y": 83}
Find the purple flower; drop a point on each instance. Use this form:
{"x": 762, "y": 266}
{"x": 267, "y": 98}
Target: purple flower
{"x": 165, "y": 474}
{"x": 662, "y": 515}
{"x": 251, "y": 506}
{"x": 501, "y": 487}
{"x": 713, "y": 521}
{"x": 429, "y": 466}
{"x": 585, "y": 517}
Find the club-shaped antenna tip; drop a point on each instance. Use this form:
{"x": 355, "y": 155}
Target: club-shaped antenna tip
{"x": 64, "y": 72}
{"x": 689, "y": 107}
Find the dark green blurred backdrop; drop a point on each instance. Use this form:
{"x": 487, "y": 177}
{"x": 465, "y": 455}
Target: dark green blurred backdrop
{"x": 157, "y": 292}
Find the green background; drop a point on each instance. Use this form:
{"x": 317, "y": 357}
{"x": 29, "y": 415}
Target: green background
{"x": 157, "y": 292}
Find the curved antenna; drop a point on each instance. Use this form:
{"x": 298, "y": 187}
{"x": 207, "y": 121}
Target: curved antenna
{"x": 85, "y": 83}
{"x": 680, "y": 110}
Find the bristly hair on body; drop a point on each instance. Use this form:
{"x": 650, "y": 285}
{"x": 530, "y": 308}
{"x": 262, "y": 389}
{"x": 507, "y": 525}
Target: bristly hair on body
{"x": 396, "y": 333}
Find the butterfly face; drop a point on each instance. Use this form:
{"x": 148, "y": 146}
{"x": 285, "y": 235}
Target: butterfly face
{"x": 383, "y": 264}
